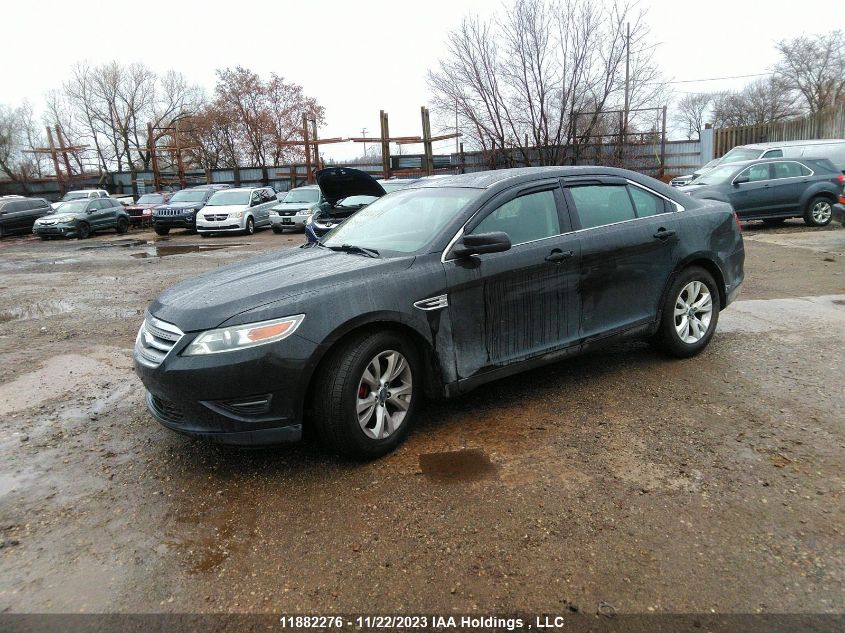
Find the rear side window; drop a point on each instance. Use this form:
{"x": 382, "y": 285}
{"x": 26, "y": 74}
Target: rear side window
{"x": 598, "y": 205}
{"x": 789, "y": 170}
{"x": 525, "y": 219}
{"x": 773, "y": 153}
{"x": 645, "y": 203}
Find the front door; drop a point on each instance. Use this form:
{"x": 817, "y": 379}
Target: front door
{"x": 628, "y": 236}
{"x": 753, "y": 197}
{"x": 511, "y": 306}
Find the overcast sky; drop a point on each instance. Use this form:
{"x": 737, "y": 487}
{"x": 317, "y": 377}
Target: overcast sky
{"x": 359, "y": 57}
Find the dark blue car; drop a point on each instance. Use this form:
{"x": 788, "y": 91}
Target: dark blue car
{"x": 773, "y": 190}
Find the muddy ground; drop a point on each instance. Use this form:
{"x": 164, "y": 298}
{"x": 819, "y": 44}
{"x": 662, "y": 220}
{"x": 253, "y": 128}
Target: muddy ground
{"x": 620, "y": 479}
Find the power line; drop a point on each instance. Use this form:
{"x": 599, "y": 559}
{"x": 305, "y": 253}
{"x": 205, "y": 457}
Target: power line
{"x": 693, "y": 81}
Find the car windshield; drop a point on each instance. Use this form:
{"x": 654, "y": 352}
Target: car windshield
{"x": 302, "y": 195}
{"x": 740, "y": 153}
{"x": 77, "y": 206}
{"x": 151, "y": 198}
{"x": 188, "y": 195}
{"x": 74, "y": 195}
{"x": 393, "y": 186}
{"x": 356, "y": 201}
{"x": 223, "y": 198}
{"x": 715, "y": 176}
{"x": 402, "y": 222}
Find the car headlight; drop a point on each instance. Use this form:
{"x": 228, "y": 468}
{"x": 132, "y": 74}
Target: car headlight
{"x": 236, "y": 214}
{"x": 237, "y": 337}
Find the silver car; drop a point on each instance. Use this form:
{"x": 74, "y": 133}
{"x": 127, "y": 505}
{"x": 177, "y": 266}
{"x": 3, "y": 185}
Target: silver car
{"x": 236, "y": 210}
{"x": 295, "y": 208}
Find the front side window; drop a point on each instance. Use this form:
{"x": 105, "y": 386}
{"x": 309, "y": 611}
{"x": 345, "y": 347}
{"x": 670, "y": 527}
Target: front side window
{"x": 525, "y": 219}
{"x": 756, "y": 173}
{"x": 598, "y": 205}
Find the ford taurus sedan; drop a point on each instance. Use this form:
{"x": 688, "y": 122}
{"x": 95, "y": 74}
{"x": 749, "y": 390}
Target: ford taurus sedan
{"x": 432, "y": 291}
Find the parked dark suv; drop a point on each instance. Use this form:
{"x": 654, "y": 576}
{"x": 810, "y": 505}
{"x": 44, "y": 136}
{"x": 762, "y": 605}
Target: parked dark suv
{"x": 773, "y": 190}
{"x": 82, "y": 218}
{"x": 435, "y": 289}
{"x": 180, "y": 212}
{"x": 18, "y": 214}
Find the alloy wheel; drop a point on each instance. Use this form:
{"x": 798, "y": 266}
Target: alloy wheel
{"x": 821, "y": 212}
{"x": 384, "y": 394}
{"x": 693, "y": 311}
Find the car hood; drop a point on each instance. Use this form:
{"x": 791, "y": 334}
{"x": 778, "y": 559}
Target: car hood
{"x": 181, "y": 205}
{"x": 225, "y": 208}
{"x": 144, "y": 206}
{"x": 50, "y": 218}
{"x": 209, "y": 300}
{"x": 337, "y": 183}
{"x": 294, "y": 206}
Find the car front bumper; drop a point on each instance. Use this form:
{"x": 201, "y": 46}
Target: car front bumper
{"x": 54, "y": 230}
{"x": 296, "y": 221}
{"x": 249, "y": 397}
{"x": 838, "y": 213}
{"x": 174, "y": 221}
{"x": 220, "y": 226}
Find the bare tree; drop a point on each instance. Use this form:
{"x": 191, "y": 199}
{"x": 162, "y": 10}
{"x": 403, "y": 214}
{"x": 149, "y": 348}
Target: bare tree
{"x": 815, "y": 68}
{"x": 543, "y": 74}
{"x": 764, "y": 100}
{"x": 690, "y": 113}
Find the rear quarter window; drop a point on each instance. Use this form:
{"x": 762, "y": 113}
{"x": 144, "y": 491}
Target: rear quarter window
{"x": 599, "y": 205}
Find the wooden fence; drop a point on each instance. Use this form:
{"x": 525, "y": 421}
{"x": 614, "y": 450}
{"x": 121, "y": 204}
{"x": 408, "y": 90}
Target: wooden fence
{"x": 824, "y": 124}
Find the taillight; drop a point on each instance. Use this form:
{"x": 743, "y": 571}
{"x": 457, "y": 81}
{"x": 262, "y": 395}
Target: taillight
{"x": 841, "y": 179}
{"x": 736, "y": 219}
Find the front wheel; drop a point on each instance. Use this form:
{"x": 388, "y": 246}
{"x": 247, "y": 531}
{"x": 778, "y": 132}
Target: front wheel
{"x": 122, "y": 225}
{"x": 366, "y": 394}
{"x": 819, "y": 212}
{"x": 690, "y": 314}
{"x": 83, "y": 231}
{"x": 250, "y": 226}
{"x": 278, "y": 230}
{"x": 162, "y": 230}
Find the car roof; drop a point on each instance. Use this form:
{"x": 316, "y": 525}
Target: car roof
{"x": 768, "y": 145}
{"x": 244, "y": 188}
{"x": 304, "y": 187}
{"x": 515, "y": 175}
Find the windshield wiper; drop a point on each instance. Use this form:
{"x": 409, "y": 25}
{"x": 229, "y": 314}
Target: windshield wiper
{"x": 356, "y": 250}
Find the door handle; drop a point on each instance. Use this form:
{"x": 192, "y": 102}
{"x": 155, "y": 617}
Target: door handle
{"x": 558, "y": 255}
{"x": 663, "y": 234}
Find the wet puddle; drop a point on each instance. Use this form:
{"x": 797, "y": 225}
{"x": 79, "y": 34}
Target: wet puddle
{"x": 465, "y": 465}
{"x": 113, "y": 244}
{"x": 167, "y": 251}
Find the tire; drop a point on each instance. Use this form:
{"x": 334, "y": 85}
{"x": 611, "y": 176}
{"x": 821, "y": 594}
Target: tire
{"x": 162, "y": 230}
{"x": 122, "y": 225}
{"x": 342, "y": 385}
{"x": 774, "y": 221}
{"x": 83, "y": 231}
{"x": 250, "y": 226}
{"x": 669, "y": 333}
{"x": 277, "y": 230}
{"x": 819, "y": 211}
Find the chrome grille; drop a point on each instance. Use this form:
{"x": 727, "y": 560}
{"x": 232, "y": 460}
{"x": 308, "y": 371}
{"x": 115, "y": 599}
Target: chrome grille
{"x": 155, "y": 340}
{"x": 216, "y": 218}
{"x": 169, "y": 212}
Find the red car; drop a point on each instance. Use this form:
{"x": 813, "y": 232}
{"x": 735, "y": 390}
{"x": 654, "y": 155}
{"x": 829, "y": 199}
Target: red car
{"x": 141, "y": 212}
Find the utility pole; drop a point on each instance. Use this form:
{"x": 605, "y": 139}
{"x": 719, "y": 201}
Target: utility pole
{"x": 627, "y": 84}
{"x": 316, "y": 144}
{"x": 364, "y": 134}
{"x": 153, "y": 157}
{"x": 64, "y": 149}
{"x": 428, "y": 166}
{"x": 457, "y": 146}
{"x": 310, "y": 176}
{"x": 385, "y": 144}
{"x": 55, "y": 156}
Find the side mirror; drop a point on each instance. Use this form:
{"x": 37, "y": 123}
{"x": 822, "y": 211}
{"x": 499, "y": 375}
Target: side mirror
{"x": 480, "y": 243}
{"x": 740, "y": 180}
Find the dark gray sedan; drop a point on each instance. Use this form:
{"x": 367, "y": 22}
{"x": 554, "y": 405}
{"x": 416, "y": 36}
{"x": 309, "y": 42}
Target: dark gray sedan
{"x": 435, "y": 289}
{"x": 773, "y": 190}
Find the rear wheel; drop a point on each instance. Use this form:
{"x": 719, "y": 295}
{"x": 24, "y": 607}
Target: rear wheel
{"x": 83, "y": 231}
{"x": 122, "y": 225}
{"x": 366, "y": 395}
{"x": 162, "y": 230}
{"x": 690, "y": 314}
{"x": 819, "y": 211}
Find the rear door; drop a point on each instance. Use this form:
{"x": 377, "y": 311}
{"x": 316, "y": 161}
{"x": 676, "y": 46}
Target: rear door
{"x": 522, "y": 303}
{"x": 754, "y": 197}
{"x": 789, "y": 180}
{"x": 628, "y": 238}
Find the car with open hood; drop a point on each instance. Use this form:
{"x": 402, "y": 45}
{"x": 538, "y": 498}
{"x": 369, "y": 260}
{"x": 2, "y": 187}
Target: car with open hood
{"x": 345, "y": 191}
{"x": 295, "y": 208}
{"x": 141, "y": 211}
{"x": 82, "y": 218}
{"x": 431, "y": 291}
{"x": 180, "y": 212}
{"x": 773, "y": 190}
{"x": 240, "y": 210}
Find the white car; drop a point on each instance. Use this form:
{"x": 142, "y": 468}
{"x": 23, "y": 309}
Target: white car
{"x": 296, "y": 208}
{"x": 236, "y": 210}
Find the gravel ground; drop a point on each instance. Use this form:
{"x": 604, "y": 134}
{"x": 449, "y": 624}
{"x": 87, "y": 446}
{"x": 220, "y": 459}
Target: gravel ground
{"x": 615, "y": 480}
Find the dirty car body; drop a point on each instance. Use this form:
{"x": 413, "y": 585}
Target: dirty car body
{"x": 549, "y": 283}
